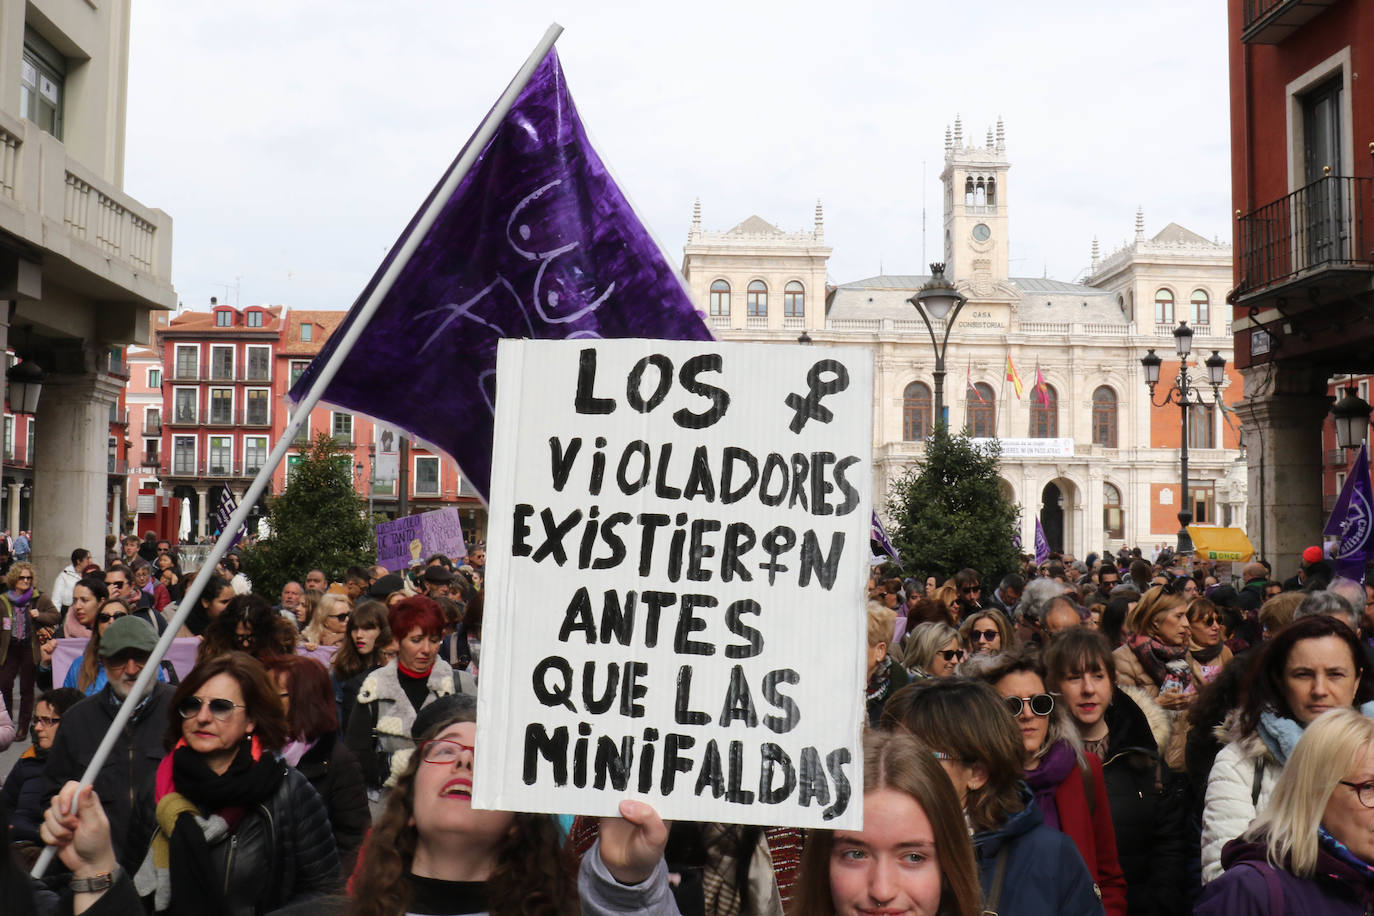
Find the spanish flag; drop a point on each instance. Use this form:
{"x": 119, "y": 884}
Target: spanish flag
{"x": 1013, "y": 377}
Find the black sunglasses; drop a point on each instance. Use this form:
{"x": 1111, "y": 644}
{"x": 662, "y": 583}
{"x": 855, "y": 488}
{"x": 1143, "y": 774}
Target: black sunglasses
{"x": 984, "y": 635}
{"x": 951, "y": 654}
{"x": 220, "y": 708}
{"x": 106, "y": 617}
{"x": 971, "y": 589}
{"x": 1042, "y": 704}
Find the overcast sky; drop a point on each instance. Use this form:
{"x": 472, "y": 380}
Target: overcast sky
{"x": 291, "y": 140}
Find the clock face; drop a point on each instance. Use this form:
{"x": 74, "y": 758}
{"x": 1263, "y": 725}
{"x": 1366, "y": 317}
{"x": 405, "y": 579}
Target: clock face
{"x": 981, "y": 232}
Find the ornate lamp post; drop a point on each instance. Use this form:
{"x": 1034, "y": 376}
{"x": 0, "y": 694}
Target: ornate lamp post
{"x": 1185, "y": 393}
{"x": 1351, "y": 414}
{"x": 938, "y": 299}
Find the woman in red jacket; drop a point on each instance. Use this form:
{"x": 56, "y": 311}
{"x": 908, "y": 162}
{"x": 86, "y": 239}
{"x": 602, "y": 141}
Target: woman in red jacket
{"x": 1067, "y": 782}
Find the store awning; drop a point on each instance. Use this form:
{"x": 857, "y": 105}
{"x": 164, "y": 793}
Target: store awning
{"x": 1211, "y": 543}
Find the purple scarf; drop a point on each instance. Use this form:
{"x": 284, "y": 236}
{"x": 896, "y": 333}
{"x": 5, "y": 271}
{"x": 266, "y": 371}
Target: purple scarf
{"x": 1054, "y": 768}
{"x": 21, "y": 601}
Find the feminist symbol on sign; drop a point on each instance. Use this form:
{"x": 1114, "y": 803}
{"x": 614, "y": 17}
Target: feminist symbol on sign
{"x": 809, "y": 407}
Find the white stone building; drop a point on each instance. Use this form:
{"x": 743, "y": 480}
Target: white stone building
{"x": 1100, "y": 466}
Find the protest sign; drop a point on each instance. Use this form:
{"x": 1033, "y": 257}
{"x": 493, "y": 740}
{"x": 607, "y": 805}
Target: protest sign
{"x": 406, "y": 541}
{"x": 182, "y": 655}
{"x": 678, "y": 544}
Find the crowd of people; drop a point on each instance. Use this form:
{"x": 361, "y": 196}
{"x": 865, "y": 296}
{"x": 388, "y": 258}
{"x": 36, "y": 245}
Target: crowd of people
{"x": 1107, "y": 735}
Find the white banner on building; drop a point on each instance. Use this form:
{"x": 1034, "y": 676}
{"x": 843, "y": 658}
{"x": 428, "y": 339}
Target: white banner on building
{"x": 386, "y": 466}
{"x": 677, "y": 528}
{"x": 1032, "y": 448}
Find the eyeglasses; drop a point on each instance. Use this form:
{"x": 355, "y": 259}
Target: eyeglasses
{"x": 343, "y": 616}
{"x": 23, "y": 578}
{"x": 220, "y": 708}
{"x": 1042, "y": 704}
{"x": 443, "y": 750}
{"x": 47, "y": 721}
{"x": 1363, "y": 791}
{"x": 106, "y": 617}
{"x": 122, "y": 660}
{"x": 984, "y": 635}
{"x": 951, "y": 654}
{"x": 116, "y": 583}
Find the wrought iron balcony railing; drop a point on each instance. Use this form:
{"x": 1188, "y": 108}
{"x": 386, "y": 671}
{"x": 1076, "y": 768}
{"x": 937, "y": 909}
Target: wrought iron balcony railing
{"x": 1322, "y": 225}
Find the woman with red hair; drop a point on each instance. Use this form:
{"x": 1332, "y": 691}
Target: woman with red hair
{"x": 379, "y": 726}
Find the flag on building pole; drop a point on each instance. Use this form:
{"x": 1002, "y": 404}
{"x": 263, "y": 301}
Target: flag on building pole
{"x": 1041, "y": 392}
{"x": 536, "y": 241}
{"x": 973, "y": 392}
{"x": 880, "y": 543}
{"x": 225, "y": 511}
{"x": 1014, "y": 377}
{"x": 1042, "y": 544}
{"x": 1351, "y": 525}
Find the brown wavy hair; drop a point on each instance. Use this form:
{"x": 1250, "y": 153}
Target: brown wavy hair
{"x": 898, "y": 761}
{"x": 534, "y": 874}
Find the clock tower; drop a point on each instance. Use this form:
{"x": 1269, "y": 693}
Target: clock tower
{"x": 975, "y": 180}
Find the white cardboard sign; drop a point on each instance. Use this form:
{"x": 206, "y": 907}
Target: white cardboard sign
{"x": 676, "y": 557}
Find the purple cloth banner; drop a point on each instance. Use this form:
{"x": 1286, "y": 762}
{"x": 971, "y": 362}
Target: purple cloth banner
{"x": 537, "y": 242}
{"x": 182, "y": 655}
{"x": 226, "y": 509}
{"x": 322, "y": 654}
{"x": 1351, "y": 525}
{"x": 1042, "y": 544}
{"x": 407, "y": 541}
{"x": 880, "y": 543}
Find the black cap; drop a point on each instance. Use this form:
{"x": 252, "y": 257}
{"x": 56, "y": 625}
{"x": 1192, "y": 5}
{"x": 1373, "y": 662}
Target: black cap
{"x": 456, "y": 707}
{"x": 385, "y": 586}
{"x": 438, "y": 575}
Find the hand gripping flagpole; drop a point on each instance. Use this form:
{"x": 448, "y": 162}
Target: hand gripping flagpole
{"x": 458, "y": 172}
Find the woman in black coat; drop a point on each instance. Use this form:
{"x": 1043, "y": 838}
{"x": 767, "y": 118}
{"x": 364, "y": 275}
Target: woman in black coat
{"x": 1150, "y": 824}
{"x": 319, "y": 753}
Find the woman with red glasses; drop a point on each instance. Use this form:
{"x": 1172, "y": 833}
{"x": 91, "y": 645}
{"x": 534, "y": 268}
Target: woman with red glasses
{"x": 1067, "y": 782}
{"x": 24, "y": 613}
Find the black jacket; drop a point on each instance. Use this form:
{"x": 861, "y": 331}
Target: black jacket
{"x": 23, "y": 798}
{"x": 126, "y": 780}
{"x": 336, "y": 775}
{"x": 1151, "y": 842}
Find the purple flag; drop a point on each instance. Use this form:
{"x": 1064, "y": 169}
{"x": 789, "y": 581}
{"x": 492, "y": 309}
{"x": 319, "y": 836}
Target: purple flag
{"x": 1042, "y": 544}
{"x": 227, "y": 505}
{"x": 536, "y": 241}
{"x": 880, "y": 543}
{"x": 1350, "y": 522}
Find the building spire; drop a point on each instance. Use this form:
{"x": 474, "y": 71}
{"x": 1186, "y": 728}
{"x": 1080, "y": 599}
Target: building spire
{"x": 989, "y": 143}
{"x": 1001, "y": 134}
{"x": 820, "y": 222}
{"x": 958, "y": 132}
{"x": 1097, "y": 255}
{"x": 1139, "y": 224}
{"x": 695, "y": 232}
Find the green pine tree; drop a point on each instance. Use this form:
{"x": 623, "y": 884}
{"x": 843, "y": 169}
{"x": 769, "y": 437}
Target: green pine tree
{"x": 320, "y": 522}
{"x": 948, "y": 512}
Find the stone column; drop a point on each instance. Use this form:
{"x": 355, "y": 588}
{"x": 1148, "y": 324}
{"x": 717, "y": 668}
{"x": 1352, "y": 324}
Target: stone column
{"x": 116, "y": 507}
{"x": 202, "y": 497}
{"x": 13, "y": 518}
{"x": 71, "y": 467}
{"x": 1282, "y": 428}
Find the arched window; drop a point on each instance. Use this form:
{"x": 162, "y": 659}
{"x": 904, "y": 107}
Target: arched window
{"x": 1104, "y": 417}
{"x": 980, "y": 193}
{"x": 1164, "y": 307}
{"x": 916, "y": 412}
{"x": 793, "y": 300}
{"x": 992, "y": 192}
{"x": 1202, "y": 426}
{"x": 720, "y": 298}
{"x": 1113, "y": 516}
{"x": 968, "y": 191}
{"x": 1202, "y": 309}
{"x": 756, "y": 299}
{"x": 981, "y": 410}
{"x": 1044, "y": 416}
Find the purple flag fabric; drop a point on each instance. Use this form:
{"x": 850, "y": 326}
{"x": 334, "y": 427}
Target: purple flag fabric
{"x": 537, "y": 242}
{"x": 880, "y": 543}
{"x": 1351, "y": 524}
{"x": 1042, "y": 544}
{"x": 227, "y": 505}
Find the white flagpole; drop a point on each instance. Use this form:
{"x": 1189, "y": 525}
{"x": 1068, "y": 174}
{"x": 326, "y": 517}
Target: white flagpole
{"x": 459, "y": 171}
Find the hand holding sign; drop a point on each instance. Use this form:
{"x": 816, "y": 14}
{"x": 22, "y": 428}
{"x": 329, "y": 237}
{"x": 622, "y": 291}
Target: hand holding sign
{"x": 632, "y": 845}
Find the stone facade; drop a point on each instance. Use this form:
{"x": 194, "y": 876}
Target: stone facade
{"x": 1101, "y": 467}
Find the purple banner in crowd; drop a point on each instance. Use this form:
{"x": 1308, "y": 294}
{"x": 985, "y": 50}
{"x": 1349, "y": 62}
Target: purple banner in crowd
{"x": 536, "y": 242}
{"x": 182, "y": 655}
{"x": 1351, "y": 525}
{"x": 1042, "y": 543}
{"x": 407, "y": 541}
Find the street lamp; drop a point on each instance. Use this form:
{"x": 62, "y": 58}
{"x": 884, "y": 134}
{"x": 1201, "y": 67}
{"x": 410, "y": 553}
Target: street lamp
{"x": 1185, "y": 393}
{"x": 1351, "y": 414}
{"x": 25, "y": 382}
{"x": 938, "y": 299}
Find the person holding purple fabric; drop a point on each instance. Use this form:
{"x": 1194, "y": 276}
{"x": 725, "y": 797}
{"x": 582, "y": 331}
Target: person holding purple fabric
{"x": 1067, "y": 782}
{"x": 24, "y": 613}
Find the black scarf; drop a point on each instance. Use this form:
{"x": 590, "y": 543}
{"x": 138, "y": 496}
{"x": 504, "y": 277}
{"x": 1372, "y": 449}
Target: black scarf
{"x": 246, "y": 782}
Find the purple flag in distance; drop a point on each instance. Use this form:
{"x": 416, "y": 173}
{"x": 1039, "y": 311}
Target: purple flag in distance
{"x": 1351, "y": 524}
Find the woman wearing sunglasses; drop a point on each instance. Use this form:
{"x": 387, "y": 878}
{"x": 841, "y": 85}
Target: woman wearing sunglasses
{"x": 1068, "y": 783}
{"x": 247, "y": 624}
{"x": 933, "y": 650}
{"x": 88, "y": 675}
{"x": 24, "y": 611}
{"x": 986, "y": 633}
{"x": 1150, "y": 827}
{"x": 431, "y": 852}
{"x": 1313, "y": 665}
{"x": 329, "y": 625}
{"x": 1312, "y": 850}
{"x": 237, "y": 829}
{"x": 976, "y": 741}
{"x": 1207, "y": 653}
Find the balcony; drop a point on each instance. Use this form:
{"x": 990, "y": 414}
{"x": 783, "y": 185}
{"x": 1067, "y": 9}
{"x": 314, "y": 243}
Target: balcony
{"x": 1269, "y": 22}
{"x": 1314, "y": 234}
{"x": 152, "y": 428}
{"x": 118, "y": 466}
{"x": 53, "y": 202}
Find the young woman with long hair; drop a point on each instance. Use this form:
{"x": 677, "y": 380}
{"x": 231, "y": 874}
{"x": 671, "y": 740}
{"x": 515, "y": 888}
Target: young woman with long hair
{"x": 360, "y": 653}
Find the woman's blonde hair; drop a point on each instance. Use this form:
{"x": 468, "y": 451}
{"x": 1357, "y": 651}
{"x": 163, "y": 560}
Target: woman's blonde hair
{"x": 15, "y": 571}
{"x": 998, "y": 619}
{"x": 897, "y": 761}
{"x": 925, "y": 641}
{"x": 1154, "y": 603}
{"x": 1331, "y": 747}
{"x": 315, "y": 629}
{"x": 881, "y": 623}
